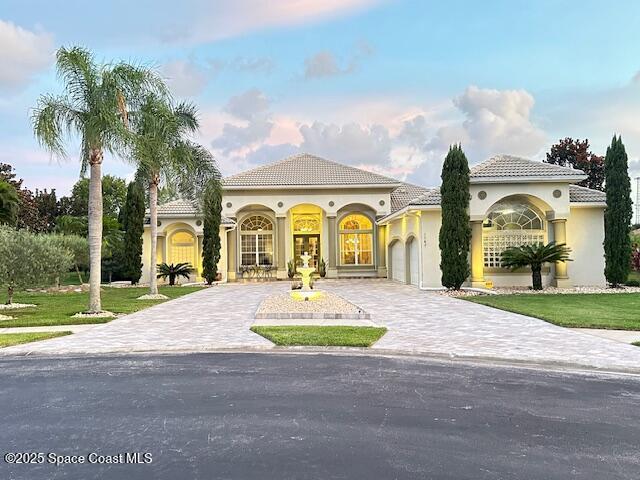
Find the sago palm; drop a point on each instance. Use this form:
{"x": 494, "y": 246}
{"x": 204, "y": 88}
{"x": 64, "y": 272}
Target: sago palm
{"x": 9, "y": 202}
{"x": 94, "y": 106}
{"x": 174, "y": 271}
{"x": 165, "y": 155}
{"x": 535, "y": 256}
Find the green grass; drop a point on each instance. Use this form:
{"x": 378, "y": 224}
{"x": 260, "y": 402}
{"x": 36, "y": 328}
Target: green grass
{"x": 321, "y": 336}
{"x": 611, "y": 311}
{"x": 637, "y": 344}
{"x": 8, "y": 339}
{"x": 57, "y": 308}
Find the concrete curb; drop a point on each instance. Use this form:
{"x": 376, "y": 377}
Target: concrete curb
{"x": 560, "y": 367}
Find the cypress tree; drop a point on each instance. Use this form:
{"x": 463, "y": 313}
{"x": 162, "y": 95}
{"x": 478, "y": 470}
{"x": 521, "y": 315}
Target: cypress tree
{"x": 617, "y": 216}
{"x": 133, "y": 225}
{"x": 212, "y": 206}
{"x": 455, "y": 232}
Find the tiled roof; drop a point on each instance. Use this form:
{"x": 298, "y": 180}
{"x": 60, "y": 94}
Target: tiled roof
{"x": 402, "y": 195}
{"x": 306, "y": 170}
{"x": 177, "y": 207}
{"x": 577, "y": 194}
{"x": 432, "y": 197}
{"x": 585, "y": 195}
{"x": 510, "y": 167}
{"x": 182, "y": 207}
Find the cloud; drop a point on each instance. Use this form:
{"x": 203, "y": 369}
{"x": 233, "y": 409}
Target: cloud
{"x": 215, "y": 20}
{"x": 242, "y": 64}
{"x": 185, "y": 77}
{"x": 322, "y": 64}
{"x": 252, "y": 107}
{"x": 350, "y": 143}
{"x": 495, "y": 121}
{"x": 248, "y": 105}
{"x": 23, "y": 54}
{"x": 325, "y": 64}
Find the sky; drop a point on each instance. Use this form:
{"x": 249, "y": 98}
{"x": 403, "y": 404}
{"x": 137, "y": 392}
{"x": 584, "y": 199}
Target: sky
{"x": 385, "y": 85}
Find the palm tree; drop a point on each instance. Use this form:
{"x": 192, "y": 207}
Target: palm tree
{"x": 174, "y": 271}
{"x": 94, "y": 106}
{"x": 535, "y": 256}
{"x": 165, "y": 155}
{"x": 9, "y": 202}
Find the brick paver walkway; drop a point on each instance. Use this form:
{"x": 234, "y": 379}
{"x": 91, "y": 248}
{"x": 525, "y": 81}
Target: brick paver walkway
{"x": 418, "y": 322}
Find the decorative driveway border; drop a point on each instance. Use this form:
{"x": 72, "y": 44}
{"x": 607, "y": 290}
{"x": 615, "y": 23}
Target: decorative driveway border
{"x": 418, "y": 322}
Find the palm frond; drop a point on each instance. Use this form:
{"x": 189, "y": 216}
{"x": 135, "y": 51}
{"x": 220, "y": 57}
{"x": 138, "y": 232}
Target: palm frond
{"x": 76, "y": 67}
{"x": 53, "y": 120}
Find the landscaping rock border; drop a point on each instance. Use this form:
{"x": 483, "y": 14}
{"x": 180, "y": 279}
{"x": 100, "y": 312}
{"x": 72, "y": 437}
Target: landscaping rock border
{"x": 545, "y": 291}
{"x": 14, "y": 306}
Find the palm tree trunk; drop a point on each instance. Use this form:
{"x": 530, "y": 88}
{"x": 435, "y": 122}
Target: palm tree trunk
{"x": 536, "y": 273}
{"x": 153, "y": 217}
{"x": 95, "y": 230}
{"x": 9, "y": 294}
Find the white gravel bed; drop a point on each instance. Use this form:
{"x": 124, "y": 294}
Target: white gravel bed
{"x": 103, "y": 314}
{"x": 545, "y": 291}
{"x": 13, "y": 306}
{"x": 325, "y": 302}
{"x": 157, "y": 296}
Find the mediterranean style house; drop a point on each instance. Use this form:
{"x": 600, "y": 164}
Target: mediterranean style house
{"x": 362, "y": 224}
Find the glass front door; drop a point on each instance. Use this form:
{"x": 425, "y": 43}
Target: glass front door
{"x": 309, "y": 244}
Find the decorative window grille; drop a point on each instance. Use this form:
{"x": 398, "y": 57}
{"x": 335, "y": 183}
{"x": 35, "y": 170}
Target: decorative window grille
{"x": 306, "y": 223}
{"x": 510, "y": 225}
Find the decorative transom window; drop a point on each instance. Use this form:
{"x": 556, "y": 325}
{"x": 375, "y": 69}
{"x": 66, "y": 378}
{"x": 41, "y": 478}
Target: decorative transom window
{"x": 256, "y": 241}
{"x": 306, "y": 223}
{"x": 356, "y": 222}
{"x": 256, "y": 223}
{"x": 510, "y": 225}
{"x": 356, "y": 240}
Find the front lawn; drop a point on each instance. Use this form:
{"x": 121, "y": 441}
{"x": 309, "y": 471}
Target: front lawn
{"x": 611, "y": 311}
{"x": 8, "y": 339}
{"x": 321, "y": 336}
{"x": 57, "y": 308}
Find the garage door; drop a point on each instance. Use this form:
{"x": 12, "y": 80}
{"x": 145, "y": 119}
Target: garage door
{"x": 414, "y": 265}
{"x": 397, "y": 262}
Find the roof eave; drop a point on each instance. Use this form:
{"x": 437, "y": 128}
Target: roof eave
{"x": 389, "y": 186}
{"x": 587, "y": 204}
{"x": 532, "y": 179}
{"x": 406, "y": 209}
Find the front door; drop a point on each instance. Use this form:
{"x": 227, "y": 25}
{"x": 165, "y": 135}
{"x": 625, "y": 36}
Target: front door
{"x": 309, "y": 244}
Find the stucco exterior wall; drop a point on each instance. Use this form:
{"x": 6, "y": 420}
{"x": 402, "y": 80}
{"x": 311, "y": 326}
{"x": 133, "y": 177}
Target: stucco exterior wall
{"x": 271, "y": 199}
{"x": 540, "y": 194}
{"x": 431, "y": 220}
{"x": 585, "y": 235}
{"x": 170, "y": 225}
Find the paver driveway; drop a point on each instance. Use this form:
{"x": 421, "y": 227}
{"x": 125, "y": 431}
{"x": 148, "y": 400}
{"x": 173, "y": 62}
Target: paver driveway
{"x": 418, "y": 322}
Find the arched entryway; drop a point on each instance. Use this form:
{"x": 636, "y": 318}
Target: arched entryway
{"x": 306, "y": 233}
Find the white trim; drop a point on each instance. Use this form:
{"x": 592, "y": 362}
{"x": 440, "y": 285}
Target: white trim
{"x": 587, "y": 205}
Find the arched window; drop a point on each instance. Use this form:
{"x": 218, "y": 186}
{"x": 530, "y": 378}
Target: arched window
{"x": 510, "y": 225}
{"x": 256, "y": 241}
{"x": 183, "y": 248}
{"x": 306, "y": 223}
{"x": 356, "y": 240}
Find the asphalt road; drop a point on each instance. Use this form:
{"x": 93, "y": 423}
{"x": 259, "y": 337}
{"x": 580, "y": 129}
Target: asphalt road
{"x": 257, "y": 416}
